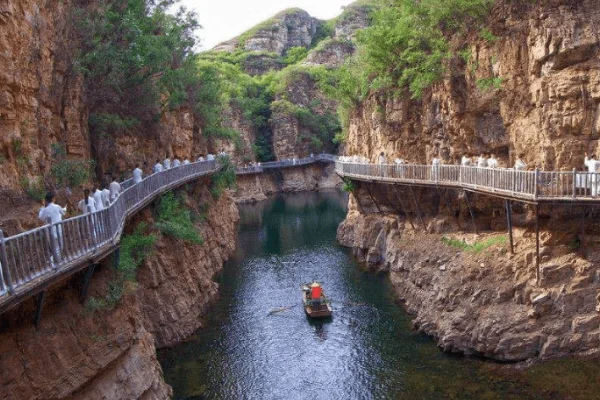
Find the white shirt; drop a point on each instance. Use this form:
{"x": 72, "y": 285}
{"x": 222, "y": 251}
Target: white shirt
{"x": 435, "y": 162}
{"x": 492, "y": 163}
{"x": 520, "y": 165}
{"x": 591, "y": 164}
{"x": 186, "y": 162}
{"x": 399, "y": 161}
{"x": 83, "y": 207}
{"x": 158, "y": 168}
{"x": 167, "y": 163}
{"x": 176, "y": 163}
{"x": 382, "y": 160}
{"x": 137, "y": 175}
{"x": 52, "y": 211}
{"x": 465, "y": 161}
{"x": 200, "y": 159}
{"x": 115, "y": 189}
{"x": 98, "y": 200}
{"x": 106, "y": 197}
{"x": 481, "y": 162}
{"x": 210, "y": 157}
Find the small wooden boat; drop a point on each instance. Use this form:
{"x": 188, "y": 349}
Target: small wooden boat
{"x": 315, "y": 302}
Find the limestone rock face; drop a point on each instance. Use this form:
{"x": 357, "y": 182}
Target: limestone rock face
{"x": 41, "y": 98}
{"x": 547, "y": 107}
{"x": 112, "y": 353}
{"x": 484, "y": 303}
{"x": 331, "y": 53}
{"x": 353, "y": 18}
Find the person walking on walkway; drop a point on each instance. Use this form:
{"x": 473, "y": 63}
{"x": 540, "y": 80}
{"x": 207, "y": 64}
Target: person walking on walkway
{"x": 435, "y": 168}
{"x": 87, "y": 204}
{"x": 481, "y": 161}
{"x": 382, "y": 160}
{"x": 186, "y": 162}
{"x": 137, "y": 174}
{"x": 105, "y": 195}
{"x": 176, "y": 163}
{"x": 520, "y": 164}
{"x": 465, "y": 163}
{"x": 167, "y": 163}
{"x": 98, "y": 199}
{"x": 492, "y": 162}
{"x": 157, "y": 167}
{"x": 52, "y": 214}
{"x": 593, "y": 166}
{"x": 115, "y": 189}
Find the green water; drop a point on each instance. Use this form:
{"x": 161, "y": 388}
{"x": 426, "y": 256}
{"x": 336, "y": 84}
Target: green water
{"x": 258, "y": 344}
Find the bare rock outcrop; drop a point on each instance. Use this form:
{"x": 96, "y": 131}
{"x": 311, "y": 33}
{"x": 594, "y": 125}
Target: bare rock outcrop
{"x": 78, "y": 354}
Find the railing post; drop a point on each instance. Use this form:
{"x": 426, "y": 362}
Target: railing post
{"x": 574, "y": 183}
{"x": 7, "y": 281}
{"x": 54, "y": 244}
{"x": 535, "y": 185}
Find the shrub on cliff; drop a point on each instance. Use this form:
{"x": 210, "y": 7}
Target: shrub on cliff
{"x": 175, "y": 220}
{"x": 224, "y": 178}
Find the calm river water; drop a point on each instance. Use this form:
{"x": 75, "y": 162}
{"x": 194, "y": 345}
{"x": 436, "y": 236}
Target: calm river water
{"x": 258, "y": 344}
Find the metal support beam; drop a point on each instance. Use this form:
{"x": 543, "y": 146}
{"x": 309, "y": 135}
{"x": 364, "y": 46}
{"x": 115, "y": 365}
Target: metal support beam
{"x": 86, "y": 282}
{"x": 583, "y": 221}
{"x": 403, "y": 208}
{"x": 508, "y": 204}
{"x": 448, "y": 206}
{"x": 537, "y": 243}
{"x": 387, "y": 200}
{"x": 471, "y": 211}
{"x": 412, "y": 192}
{"x": 39, "y": 304}
{"x": 372, "y": 198}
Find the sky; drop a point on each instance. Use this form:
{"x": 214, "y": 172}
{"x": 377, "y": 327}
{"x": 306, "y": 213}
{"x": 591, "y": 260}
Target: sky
{"x": 225, "y": 19}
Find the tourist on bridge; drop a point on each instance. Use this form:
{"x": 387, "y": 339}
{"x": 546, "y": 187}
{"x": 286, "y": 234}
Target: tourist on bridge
{"x": 98, "y": 198}
{"x": 115, "y": 189}
{"x": 167, "y": 163}
{"x": 105, "y": 195}
{"x": 157, "y": 167}
{"x": 176, "y": 163}
{"x": 87, "y": 204}
{"x": 201, "y": 158}
{"x": 465, "y": 161}
{"x": 186, "y": 162}
{"x": 210, "y": 157}
{"x": 593, "y": 166}
{"x": 52, "y": 214}
{"x": 435, "y": 167}
{"x": 520, "y": 164}
{"x": 481, "y": 161}
{"x": 137, "y": 174}
{"x": 382, "y": 159}
{"x": 492, "y": 162}
{"x": 399, "y": 161}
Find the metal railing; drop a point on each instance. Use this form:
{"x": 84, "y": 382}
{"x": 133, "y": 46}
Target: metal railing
{"x": 257, "y": 169}
{"x": 30, "y": 259}
{"x": 527, "y": 185}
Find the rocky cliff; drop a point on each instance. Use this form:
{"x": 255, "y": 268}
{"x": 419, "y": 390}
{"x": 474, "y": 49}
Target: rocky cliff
{"x": 111, "y": 353}
{"x": 529, "y": 86}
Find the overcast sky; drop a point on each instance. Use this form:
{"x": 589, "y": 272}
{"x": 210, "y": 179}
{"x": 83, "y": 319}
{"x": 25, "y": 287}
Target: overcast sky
{"x": 225, "y": 19}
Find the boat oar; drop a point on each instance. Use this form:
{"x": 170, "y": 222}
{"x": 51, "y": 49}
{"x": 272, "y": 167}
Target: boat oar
{"x": 282, "y": 309}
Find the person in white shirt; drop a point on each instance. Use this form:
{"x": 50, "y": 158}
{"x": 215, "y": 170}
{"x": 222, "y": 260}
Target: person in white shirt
{"x": 176, "y": 163}
{"x": 105, "y": 196}
{"x": 87, "y": 204}
{"x": 115, "y": 189}
{"x": 210, "y": 157}
{"x": 435, "y": 167}
{"x": 465, "y": 161}
{"x": 137, "y": 174}
{"x": 492, "y": 162}
{"x": 593, "y": 166}
{"x": 520, "y": 164}
{"x": 167, "y": 163}
{"x": 52, "y": 213}
{"x": 98, "y": 199}
{"x": 481, "y": 161}
{"x": 158, "y": 167}
{"x": 399, "y": 161}
{"x": 186, "y": 162}
{"x": 382, "y": 159}
{"x": 201, "y": 159}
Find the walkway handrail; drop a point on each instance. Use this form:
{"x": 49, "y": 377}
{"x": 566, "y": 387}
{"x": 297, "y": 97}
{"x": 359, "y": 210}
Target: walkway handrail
{"x": 525, "y": 185}
{"x": 31, "y": 259}
{"x": 257, "y": 169}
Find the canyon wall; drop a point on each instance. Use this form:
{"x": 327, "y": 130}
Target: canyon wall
{"x": 78, "y": 353}
{"x": 313, "y": 177}
{"x": 532, "y": 89}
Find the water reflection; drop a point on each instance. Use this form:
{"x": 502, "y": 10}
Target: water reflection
{"x": 259, "y": 344}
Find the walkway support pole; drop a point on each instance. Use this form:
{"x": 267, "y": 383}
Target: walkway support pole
{"x": 86, "y": 282}
{"x": 471, "y": 211}
{"x": 39, "y": 304}
{"x": 508, "y": 204}
{"x": 537, "y": 243}
{"x": 403, "y": 208}
{"x": 4, "y": 270}
{"x": 412, "y": 192}
{"x": 372, "y": 198}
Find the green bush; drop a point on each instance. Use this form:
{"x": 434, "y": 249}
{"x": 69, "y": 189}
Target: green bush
{"x": 487, "y": 84}
{"x": 476, "y": 247}
{"x": 224, "y": 178}
{"x": 175, "y": 220}
{"x": 295, "y": 55}
{"x": 34, "y": 188}
{"x": 348, "y": 186}
{"x": 69, "y": 172}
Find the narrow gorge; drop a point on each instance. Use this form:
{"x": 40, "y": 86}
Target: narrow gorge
{"x": 91, "y": 90}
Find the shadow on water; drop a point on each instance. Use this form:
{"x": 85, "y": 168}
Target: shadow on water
{"x": 259, "y": 343}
